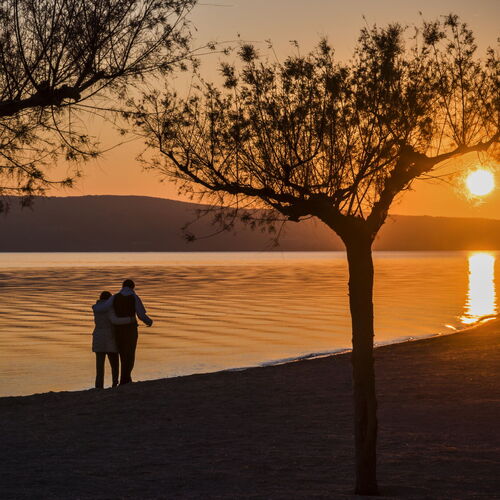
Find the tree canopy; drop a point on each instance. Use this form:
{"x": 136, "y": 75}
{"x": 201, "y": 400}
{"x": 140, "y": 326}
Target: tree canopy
{"x": 313, "y": 136}
{"x": 57, "y": 57}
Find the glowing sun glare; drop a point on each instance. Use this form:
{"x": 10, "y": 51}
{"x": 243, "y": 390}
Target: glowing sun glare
{"x": 480, "y": 182}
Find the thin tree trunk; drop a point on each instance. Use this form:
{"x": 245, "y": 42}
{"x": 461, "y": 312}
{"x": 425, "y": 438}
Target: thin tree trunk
{"x": 359, "y": 256}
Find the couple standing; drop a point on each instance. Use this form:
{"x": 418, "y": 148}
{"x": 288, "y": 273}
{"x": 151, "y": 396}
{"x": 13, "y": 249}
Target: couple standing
{"x": 115, "y": 333}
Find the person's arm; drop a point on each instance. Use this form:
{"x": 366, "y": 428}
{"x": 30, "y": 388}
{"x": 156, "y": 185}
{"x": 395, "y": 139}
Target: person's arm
{"x": 141, "y": 311}
{"x": 115, "y": 320}
{"x": 103, "y": 306}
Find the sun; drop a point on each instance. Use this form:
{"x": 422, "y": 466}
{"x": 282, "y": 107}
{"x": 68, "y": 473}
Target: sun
{"x": 480, "y": 182}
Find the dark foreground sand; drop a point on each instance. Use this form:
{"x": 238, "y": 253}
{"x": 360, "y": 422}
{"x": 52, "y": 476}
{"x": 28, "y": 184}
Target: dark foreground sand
{"x": 278, "y": 432}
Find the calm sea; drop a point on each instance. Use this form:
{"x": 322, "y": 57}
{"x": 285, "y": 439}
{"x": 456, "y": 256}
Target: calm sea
{"x": 215, "y": 311}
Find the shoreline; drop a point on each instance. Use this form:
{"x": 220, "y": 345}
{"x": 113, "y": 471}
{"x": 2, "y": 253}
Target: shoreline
{"x": 273, "y": 432}
{"x": 279, "y": 362}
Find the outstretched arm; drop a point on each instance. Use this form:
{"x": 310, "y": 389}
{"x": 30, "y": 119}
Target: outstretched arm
{"x": 141, "y": 311}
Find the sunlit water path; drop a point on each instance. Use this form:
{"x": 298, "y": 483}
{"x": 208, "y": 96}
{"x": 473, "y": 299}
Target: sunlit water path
{"x": 215, "y": 311}
{"x": 481, "y": 294}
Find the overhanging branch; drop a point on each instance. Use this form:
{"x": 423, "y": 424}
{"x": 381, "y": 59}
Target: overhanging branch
{"x": 42, "y": 98}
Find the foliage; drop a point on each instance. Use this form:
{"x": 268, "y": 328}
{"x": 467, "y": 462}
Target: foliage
{"x": 57, "y": 57}
{"x": 313, "y": 136}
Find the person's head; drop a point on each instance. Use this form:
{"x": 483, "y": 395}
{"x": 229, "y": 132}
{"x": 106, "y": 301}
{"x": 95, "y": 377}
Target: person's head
{"x": 129, "y": 284}
{"x": 104, "y": 295}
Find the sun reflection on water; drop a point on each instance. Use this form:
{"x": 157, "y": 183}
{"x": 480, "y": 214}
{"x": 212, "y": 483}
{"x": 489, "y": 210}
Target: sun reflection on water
{"x": 481, "y": 296}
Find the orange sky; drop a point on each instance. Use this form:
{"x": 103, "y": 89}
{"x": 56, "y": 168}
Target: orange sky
{"x": 117, "y": 172}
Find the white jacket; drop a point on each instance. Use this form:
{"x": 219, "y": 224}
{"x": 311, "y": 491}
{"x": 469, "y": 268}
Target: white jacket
{"x": 103, "y": 336}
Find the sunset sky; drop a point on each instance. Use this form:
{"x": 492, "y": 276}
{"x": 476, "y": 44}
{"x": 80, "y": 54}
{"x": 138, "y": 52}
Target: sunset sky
{"x": 117, "y": 172}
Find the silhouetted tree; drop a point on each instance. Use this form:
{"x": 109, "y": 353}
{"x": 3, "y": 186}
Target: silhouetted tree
{"x": 313, "y": 137}
{"x": 56, "y": 54}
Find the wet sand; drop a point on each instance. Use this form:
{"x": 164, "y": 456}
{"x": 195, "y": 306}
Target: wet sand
{"x": 280, "y": 432}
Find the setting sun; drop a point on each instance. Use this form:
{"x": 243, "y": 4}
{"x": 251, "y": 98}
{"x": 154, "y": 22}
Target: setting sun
{"x": 480, "y": 182}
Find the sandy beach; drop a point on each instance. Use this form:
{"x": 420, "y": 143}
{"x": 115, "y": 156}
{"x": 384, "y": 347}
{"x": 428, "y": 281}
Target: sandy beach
{"x": 276, "y": 432}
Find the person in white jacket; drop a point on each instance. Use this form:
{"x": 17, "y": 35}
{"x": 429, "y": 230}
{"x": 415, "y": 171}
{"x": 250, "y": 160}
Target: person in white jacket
{"x": 103, "y": 339}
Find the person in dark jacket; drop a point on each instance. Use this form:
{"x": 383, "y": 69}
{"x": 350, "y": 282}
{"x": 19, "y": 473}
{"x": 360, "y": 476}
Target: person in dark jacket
{"x": 126, "y": 303}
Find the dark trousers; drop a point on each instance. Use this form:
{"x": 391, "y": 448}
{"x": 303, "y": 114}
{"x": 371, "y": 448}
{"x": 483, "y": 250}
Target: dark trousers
{"x": 114, "y": 362}
{"x": 126, "y": 340}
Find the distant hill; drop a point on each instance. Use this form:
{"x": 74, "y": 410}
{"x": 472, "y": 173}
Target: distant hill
{"x": 137, "y": 223}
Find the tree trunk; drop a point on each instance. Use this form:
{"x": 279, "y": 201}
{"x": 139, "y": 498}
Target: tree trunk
{"x": 359, "y": 256}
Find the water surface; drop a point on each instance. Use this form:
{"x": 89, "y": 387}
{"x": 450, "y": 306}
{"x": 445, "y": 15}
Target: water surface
{"x": 215, "y": 311}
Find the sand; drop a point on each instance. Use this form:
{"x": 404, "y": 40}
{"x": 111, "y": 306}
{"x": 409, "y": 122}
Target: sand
{"x": 280, "y": 432}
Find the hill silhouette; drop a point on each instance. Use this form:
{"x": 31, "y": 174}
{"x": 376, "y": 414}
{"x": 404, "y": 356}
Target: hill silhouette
{"x": 139, "y": 223}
